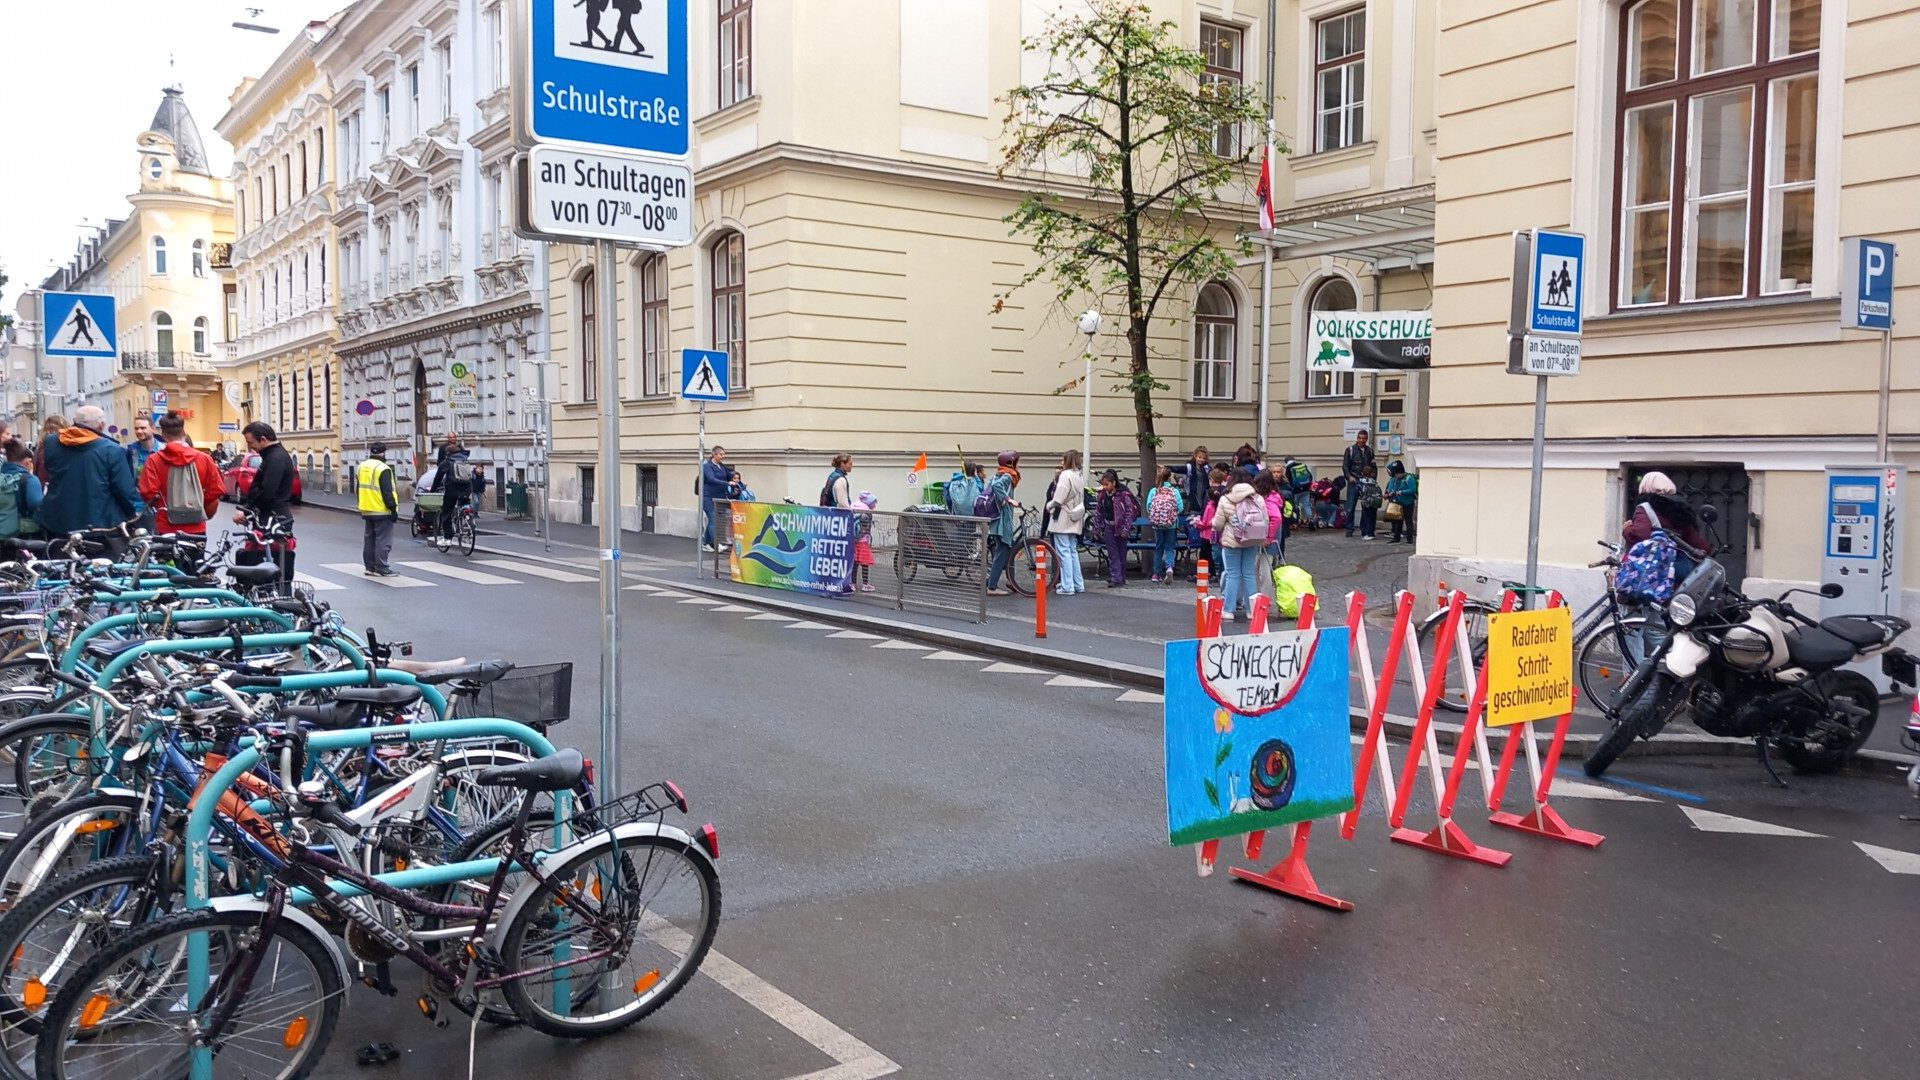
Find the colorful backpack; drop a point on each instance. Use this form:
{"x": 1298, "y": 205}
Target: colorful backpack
{"x": 1163, "y": 508}
{"x": 1647, "y": 570}
{"x": 1248, "y": 528}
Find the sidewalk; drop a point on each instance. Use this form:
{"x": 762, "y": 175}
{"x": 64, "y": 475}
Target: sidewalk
{"x": 1112, "y": 634}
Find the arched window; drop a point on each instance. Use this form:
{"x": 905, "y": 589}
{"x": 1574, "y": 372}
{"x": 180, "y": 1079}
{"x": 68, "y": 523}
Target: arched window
{"x": 1717, "y": 120}
{"x": 727, "y": 287}
{"x": 1333, "y": 294}
{"x": 159, "y": 254}
{"x": 200, "y": 335}
{"x": 199, "y": 260}
{"x": 653, "y": 326}
{"x": 303, "y": 166}
{"x": 1215, "y": 321}
{"x": 163, "y": 336}
{"x": 586, "y": 298}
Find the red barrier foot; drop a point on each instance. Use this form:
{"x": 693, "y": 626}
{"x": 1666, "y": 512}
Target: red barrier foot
{"x": 1254, "y": 841}
{"x": 1448, "y": 839}
{"x": 1545, "y": 821}
{"x": 1291, "y": 877}
{"x": 1206, "y": 855}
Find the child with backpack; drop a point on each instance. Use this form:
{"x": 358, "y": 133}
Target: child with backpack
{"x": 863, "y": 503}
{"x": 1119, "y": 509}
{"x": 1240, "y": 522}
{"x": 1209, "y": 534}
{"x": 20, "y": 492}
{"x": 1299, "y": 478}
{"x": 1164, "y": 507}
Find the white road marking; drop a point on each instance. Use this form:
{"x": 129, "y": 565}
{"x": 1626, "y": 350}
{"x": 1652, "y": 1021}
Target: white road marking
{"x": 1011, "y": 669}
{"x": 1576, "y": 789}
{"x": 536, "y": 569}
{"x": 768, "y": 616}
{"x": 856, "y": 635}
{"x": 398, "y": 582}
{"x": 642, "y": 588}
{"x": 702, "y": 601}
{"x": 320, "y": 584}
{"x": 461, "y": 573}
{"x": 1895, "y": 860}
{"x": 1142, "y": 696}
{"x": 901, "y": 645}
{"x": 1708, "y": 821}
{"x": 729, "y": 608}
{"x": 944, "y": 655}
{"x": 805, "y": 625}
{"x": 669, "y": 594}
{"x": 1075, "y": 680}
{"x": 854, "y": 1059}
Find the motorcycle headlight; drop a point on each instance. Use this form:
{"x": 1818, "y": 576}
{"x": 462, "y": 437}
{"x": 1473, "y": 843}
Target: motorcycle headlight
{"x": 1681, "y": 610}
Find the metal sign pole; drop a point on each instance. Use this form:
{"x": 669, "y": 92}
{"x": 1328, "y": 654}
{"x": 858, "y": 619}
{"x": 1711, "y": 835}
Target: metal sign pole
{"x": 700, "y": 470}
{"x": 39, "y": 351}
{"x": 1533, "y": 492}
{"x": 544, "y": 432}
{"x": 1886, "y": 394}
{"x": 609, "y": 373}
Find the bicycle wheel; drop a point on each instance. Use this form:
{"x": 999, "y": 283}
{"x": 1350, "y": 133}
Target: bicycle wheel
{"x": 51, "y": 932}
{"x": 65, "y": 835}
{"x": 415, "y": 526}
{"x": 655, "y": 904}
{"x": 465, "y": 534}
{"x": 1021, "y": 570}
{"x": 43, "y": 759}
{"x": 1473, "y": 624}
{"x": 126, "y": 1012}
{"x": 1605, "y": 662}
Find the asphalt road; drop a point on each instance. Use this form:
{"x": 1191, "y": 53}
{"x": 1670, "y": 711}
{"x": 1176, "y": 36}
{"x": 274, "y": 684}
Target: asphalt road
{"x": 964, "y": 871}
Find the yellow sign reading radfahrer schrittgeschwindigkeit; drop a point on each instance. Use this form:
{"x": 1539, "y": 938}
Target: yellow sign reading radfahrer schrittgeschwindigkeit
{"x": 1529, "y": 666}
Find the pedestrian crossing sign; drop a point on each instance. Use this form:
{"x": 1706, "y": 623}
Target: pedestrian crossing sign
{"x": 703, "y": 375}
{"x": 79, "y": 324}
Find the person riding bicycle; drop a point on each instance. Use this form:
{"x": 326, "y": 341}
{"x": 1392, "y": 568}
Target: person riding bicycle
{"x": 460, "y": 480}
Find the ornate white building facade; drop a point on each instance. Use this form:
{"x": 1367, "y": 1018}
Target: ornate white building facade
{"x": 440, "y": 305}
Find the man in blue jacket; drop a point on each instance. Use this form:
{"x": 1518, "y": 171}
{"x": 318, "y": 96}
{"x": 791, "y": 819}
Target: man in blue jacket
{"x": 89, "y": 481}
{"x": 714, "y": 477}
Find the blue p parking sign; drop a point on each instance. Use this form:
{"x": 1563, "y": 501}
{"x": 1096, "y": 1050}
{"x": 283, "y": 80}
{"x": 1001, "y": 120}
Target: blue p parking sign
{"x": 1866, "y": 284}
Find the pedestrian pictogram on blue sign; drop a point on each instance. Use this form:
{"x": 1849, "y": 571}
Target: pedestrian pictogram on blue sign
{"x": 78, "y": 324}
{"x": 608, "y": 73}
{"x": 1866, "y": 284}
{"x": 703, "y": 375}
{"x": 1553, "y": 306}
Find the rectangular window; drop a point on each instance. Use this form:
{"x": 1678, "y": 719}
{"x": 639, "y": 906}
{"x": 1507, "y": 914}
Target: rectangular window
{"x": 653, "y": 327}
{"x": 273, "y": 186}
{"x": 230, "y": 304}
{"x": 1329, "y": 384}
{"x": 1646, "y": 206}
{"x": 1340, "y": 80}
{"x": 319, "y": 155}
{"x": 413, "y": 99}
{"x": 1788, "y": 239}
{"x": 383, "y": 111}
{"x": 312, "y": 413}
{"x": 589, "y": 340}
{"x": 445, "y": 53}
{"x": 1719, "y": 164}
{"x": 735, "y": 62}
{"x": 496, "y": 49}
{"x": 728, "y": 266}
{"x": 326, "y": 396}
{"x": 1223, "y": 48}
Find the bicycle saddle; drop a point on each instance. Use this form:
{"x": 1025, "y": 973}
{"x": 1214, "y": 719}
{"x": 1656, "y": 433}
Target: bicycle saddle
{"x": 264, "y": 574}
{"x": 421, "y": 669}
{"x": 331, "y": 715}
{"x": 561, "y": 770}
{"x": 379, "y": 697}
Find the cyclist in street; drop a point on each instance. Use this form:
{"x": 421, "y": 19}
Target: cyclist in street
{"x": 460, "y": 480}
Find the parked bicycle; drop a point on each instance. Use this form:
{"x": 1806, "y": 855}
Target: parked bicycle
{"x": 1022, "y": 565}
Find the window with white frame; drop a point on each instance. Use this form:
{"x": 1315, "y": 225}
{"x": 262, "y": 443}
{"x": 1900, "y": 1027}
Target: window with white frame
{"x": 586, "y": 296}
{"x": 383, "y": 113}
{"x": 197, "y": 258}
{"x": 496, "y": 48}
{"x": 653, "y": 327}
{"x": 200, "y": 335}
{"x": 727, "y": 287}
{"x": 1717, "y": 126}
{"x": 303, "y": 167}
{"x": 1340, "y": 80}
{"x": 1223, "y": 48}
{"x": 1215, "y": 327}
{"x": 163, "y": 336}
{"x": 735, "y": 43}
{"x": 1333, "y": 294}
{"x": 160, "y": 255}
{"x": 443, "y": 55}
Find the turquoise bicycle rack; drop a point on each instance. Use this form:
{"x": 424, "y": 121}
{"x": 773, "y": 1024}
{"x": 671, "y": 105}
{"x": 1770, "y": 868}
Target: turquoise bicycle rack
{"x": 71, "y": 658}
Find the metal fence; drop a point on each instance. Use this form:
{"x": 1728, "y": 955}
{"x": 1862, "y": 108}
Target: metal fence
{"x": 920, "y": 559}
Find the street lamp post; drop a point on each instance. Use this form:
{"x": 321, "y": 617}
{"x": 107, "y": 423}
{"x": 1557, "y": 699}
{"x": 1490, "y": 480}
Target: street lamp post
{"x": 1089, "y": 325}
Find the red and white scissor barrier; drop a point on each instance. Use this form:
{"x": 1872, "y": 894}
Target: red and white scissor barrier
{"x": 1290, "y": 876}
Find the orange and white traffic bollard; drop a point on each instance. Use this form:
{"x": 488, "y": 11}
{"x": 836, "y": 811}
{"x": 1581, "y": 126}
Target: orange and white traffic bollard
{"x": 1039, "y": 591}
{"x": 1200, "y": 600}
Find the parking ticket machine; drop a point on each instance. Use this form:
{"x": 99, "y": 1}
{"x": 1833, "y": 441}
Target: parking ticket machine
{"x": 1862, "y": 549}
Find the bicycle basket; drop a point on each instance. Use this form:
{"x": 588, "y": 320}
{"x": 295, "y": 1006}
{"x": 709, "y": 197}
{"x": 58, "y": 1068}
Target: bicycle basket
{"x": 532, "y": 694}
{"x": 430, "y": 501}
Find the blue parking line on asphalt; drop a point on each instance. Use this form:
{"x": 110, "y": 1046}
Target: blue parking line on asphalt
{"x": 1655, "y": 789}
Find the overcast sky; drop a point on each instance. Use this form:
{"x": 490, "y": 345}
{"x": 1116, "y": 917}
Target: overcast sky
{"x": 80, "y": 80}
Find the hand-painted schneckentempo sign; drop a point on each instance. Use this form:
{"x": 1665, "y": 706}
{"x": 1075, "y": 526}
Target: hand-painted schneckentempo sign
{"x": 802, "y": 548}
{"x": 1369, "y": 340}
{"x": 1256, "y": 732}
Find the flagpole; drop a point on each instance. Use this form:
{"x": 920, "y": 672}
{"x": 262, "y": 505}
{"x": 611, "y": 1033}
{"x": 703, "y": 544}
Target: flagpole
{"x": 1266, "y": 293}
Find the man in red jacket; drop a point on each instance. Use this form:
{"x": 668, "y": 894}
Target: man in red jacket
{"x": 159, "y": 482}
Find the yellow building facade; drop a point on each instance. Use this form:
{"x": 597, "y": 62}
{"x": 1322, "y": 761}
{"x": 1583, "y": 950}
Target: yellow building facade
{"x": 850, "y": 245}
{"x": 1714, "y": 160}
{"x": 161, "y": 264}
{"x": 285, "y": 371}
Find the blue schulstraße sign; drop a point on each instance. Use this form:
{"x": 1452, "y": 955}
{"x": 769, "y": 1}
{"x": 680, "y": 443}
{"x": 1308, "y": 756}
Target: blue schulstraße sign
{"x": 609, "y": 74}
{"x": 1553, "y": 307}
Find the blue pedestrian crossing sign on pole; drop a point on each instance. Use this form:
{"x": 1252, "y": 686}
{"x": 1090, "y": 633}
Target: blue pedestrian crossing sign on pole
{"x": 1866, "y": 284}
{"x": 1553, "y": 302}
{"x": 79, "y": 324}
{"x": 703, "y": 375}
{"x": 604, "y": 75}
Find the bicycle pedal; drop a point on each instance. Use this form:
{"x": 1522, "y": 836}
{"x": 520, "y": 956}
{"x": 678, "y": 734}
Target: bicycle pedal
{"x": 378, "y": 1053}
{"x": 430, "y": 1009}
{"x": 380, "y": 980}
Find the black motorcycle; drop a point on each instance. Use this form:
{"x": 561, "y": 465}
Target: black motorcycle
{"x": 1756, "y": 668}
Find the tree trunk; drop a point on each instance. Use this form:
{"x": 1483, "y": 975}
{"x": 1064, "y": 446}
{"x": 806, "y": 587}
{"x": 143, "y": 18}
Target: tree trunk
{"x": 1143, "y": 432}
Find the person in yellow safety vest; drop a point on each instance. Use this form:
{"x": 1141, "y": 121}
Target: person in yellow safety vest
{"x": 378, "y": 510}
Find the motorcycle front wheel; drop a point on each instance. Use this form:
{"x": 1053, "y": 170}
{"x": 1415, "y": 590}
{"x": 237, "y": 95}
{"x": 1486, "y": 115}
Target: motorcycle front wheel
{"x": 1840, "y": 733}
{"x": 1639, "y": 715}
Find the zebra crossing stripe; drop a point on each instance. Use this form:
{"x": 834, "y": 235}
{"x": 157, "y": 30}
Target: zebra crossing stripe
{"x": 317, "y": 584}
{"x": 1075, "y": 680}
{"x": 1892, "y": 859}
{"x": 1142, "y": 696}
{"x": 400, "y": 581}
{"x": 461, "y": 573}
{"x": 539, "y": 570}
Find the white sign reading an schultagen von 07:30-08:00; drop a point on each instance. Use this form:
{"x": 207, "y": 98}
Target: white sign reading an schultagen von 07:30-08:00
{"x": 570, "y": 193}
